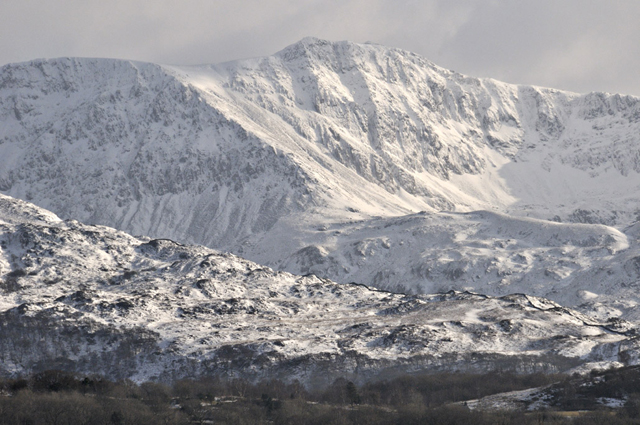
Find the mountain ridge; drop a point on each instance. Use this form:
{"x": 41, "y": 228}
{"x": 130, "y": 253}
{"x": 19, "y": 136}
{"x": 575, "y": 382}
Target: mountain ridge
{"x": 251, "y": 154}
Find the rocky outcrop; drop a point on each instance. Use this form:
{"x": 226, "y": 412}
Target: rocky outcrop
{"x": 95, "y": 300}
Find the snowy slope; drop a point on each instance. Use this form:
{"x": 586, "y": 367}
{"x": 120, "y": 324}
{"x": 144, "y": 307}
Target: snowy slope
{"x": 590, "y": 266}
{"x": 96, "y": 300}
{"x": 261, "y": 153}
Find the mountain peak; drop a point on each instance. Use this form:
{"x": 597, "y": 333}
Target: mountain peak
{"x": 309, "y": 47}
{"x": 317, "y": 45}
{"x": 262, "y": 152}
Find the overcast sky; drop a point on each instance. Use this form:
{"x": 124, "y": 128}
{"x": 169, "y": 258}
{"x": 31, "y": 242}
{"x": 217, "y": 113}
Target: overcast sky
{"x": 579, "y": 45}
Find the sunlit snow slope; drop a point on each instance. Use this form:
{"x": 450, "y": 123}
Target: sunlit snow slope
{"x": 262, "y": 156}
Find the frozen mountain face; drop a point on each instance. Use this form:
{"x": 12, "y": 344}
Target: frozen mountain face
{"x": 95, "y": 300}
{"x": 260, "y": 157}
{"x": 127, "y": 144}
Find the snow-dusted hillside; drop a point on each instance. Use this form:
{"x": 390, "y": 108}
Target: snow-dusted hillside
{"x": 96, "y": 300}
{"x": 260, "y": 157}
{"x": 595, "y": 267}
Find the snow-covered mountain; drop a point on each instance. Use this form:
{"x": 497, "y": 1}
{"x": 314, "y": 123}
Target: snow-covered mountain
{"x": 350, "y": 161}
{"x": 95, "y": 300}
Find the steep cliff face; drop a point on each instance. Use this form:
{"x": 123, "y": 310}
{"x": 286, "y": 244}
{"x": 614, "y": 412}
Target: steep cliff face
{"x": 127, "y": 144}
{"x": 95, "y": 300}
{"x": 259, "y": 157}
{"x": 404, "y": 124}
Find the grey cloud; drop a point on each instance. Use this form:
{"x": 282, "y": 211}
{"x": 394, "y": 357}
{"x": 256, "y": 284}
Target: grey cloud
{"x": 576, "y": 45}
{"x": 579, "y": 45}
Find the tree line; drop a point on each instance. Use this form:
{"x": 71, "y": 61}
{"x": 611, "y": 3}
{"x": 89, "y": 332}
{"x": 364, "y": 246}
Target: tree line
{"x": 62, "y": 398}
